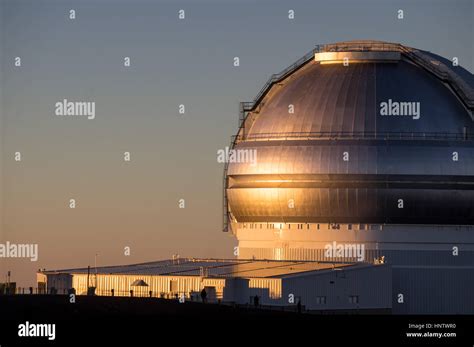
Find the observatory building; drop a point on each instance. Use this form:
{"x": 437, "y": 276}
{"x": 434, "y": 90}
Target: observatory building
{"x": 363, "y": 144}
{"x": 357, "y": 192}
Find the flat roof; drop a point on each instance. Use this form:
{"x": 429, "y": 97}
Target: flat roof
{"x": 220, "y": 268}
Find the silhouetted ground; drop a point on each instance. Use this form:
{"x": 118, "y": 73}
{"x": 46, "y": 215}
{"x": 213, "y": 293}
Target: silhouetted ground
{"x": 55, "y": 306}
{"x": 125, "y": 321}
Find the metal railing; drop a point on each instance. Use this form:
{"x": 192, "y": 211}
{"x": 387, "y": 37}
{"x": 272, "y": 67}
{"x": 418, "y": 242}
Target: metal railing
{"x": 135, "y": 293}
{"x": 357, "y": 135}
{"x": 143, "y": 293}
{"x": 361, "y": 46}
{"x": 35, "y": 291}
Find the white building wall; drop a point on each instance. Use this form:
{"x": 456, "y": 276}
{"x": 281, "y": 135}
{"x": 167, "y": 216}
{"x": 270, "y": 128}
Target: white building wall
{"x": 371, "y": 284}
{"x": 158, "y": 285}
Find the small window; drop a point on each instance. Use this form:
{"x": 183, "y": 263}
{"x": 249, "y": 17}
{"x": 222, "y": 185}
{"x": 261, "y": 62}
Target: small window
{"x": 320, "y": 300}
{"x": 353, "y": 299}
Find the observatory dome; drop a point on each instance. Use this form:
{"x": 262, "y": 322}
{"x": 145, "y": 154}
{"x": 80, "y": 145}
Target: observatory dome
{"x": 358, "y": 132}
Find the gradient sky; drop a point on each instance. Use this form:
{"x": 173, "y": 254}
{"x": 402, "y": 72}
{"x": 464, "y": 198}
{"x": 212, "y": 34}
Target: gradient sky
{"x": 174, "y": 62}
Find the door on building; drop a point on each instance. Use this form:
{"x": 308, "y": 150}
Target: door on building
{"x": 211, "y": 294}
{"x": 174, "y": 289}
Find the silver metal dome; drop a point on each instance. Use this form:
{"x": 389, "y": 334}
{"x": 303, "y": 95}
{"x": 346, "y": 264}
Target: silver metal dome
{"x": 339, "y": 160}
